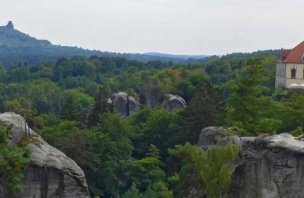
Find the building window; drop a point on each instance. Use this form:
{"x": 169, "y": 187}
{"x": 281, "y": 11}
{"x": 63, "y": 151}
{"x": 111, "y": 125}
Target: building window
{"x": 293, "y": 73}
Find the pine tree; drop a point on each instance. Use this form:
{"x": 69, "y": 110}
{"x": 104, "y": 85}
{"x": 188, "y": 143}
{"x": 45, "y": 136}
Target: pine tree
{"x": 133, "y": 192}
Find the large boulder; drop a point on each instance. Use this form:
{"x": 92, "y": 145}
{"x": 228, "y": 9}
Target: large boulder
{"x": 124, "y": 104}
{"x": 173, "y": 102}
{"x": 50, "y": 174}
{"x": 267, "y": 166}
{"x": 209, "y": 136}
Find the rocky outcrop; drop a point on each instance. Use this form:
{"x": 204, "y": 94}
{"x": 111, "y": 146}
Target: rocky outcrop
{"x": 169, "y": 101}
{"x": 51, "y": 174}
{"x": 270, "y": 167}
{"x": 173, "y": 102}
{"x": 209, "y": 136}
{"x": 267, "y": 166}
{"x": 124, "y": 104}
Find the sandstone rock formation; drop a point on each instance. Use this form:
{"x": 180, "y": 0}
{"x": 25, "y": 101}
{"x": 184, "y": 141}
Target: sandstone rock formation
{"x": 267, "y": 167}
{"x": 173, "y": 102}
{"x": 124, "y": 103}
{"x": 51, "y": 174}
{"x": 209, "y": 135}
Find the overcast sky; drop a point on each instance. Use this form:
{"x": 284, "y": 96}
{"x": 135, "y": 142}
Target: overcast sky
{"x": 171, "y": 26}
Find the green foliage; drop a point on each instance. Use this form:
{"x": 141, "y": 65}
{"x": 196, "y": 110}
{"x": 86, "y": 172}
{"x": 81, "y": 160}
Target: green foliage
{"x": 204, "y": 172}
{"x": 100, "y": 106}
{"x": 218, "y": 169}
{"x": 111, "y": 141}
{"x": 13, "y": 160}
{"x": 154, "y": 126}
{"x": 75, "y": 104}
{"x": 147, "y": 172}
{"x": 248, "y": 108}
{"x": 45, "y": 96}
{"x": 67, "y": 102}
{"x": 205, "y": 109}
{"x": 188, "y": 179}
{"x": 132, "y": 192}
{"x": 292, "y": 112}
{"x": 150, "y": 193}
{"x": 297, "y": 132}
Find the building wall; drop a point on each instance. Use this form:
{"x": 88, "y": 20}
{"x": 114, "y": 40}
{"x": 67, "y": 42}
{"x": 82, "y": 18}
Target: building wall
{"x": 280, "y": 75}
{"x": 299, "y": 74}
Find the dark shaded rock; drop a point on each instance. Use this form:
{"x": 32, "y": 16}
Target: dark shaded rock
{"x": 51, "y": 174}
{"x": 151, "y": 99}
{"x": 173, "y": 102}
{"x": 124, "y": 103}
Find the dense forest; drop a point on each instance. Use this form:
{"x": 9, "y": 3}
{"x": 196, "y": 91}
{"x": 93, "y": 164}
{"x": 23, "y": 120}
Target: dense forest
{"x": 152, "y": 152}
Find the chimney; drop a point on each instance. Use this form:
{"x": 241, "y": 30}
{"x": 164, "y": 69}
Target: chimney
{"x": 282, "y": 55}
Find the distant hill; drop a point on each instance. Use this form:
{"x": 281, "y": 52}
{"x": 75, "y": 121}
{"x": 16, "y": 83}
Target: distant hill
{"x": 173, "y": 56}
{"x": 19, "y": 48}
{"x": 255, "y": 54}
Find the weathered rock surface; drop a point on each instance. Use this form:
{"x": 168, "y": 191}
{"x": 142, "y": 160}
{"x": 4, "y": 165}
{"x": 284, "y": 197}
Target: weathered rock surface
{"x": 51, "y": 174}
{"x": 209, "y": 135}
{"x": 267, "y": 167}
{"x": 173, "y": 102}
{"x": 270, "y": 167}
{"x": 124, "y": 103}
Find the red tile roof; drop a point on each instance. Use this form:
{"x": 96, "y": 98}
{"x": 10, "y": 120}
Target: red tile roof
{"x": 295, "y": 55}
{"x": 285, "y": 53}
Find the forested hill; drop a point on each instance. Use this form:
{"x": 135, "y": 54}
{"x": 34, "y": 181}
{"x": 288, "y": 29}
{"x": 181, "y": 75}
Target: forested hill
{"x": 19, "y": 48}
{"x": 147, "y": 152}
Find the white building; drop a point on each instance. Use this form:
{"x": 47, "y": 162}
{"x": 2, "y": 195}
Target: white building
{"x": 290, "y": 68}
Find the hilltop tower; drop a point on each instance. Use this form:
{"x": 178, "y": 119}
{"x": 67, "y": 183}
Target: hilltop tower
{"x": 10, "y": 25}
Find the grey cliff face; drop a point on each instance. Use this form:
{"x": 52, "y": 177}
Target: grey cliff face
{"x": 124, "y": 103}
{"x": 51, "y": 174}
{"x": 270, "y": 167}
{"x": 267, "y": 166}
{"x": 173, "y": 102}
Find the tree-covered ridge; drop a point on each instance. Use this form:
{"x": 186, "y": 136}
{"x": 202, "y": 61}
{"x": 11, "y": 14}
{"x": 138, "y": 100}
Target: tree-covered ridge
{"x": 19, "y": 48}
{"x": 13, "y": 38}
{"x": 147, "y": 154}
